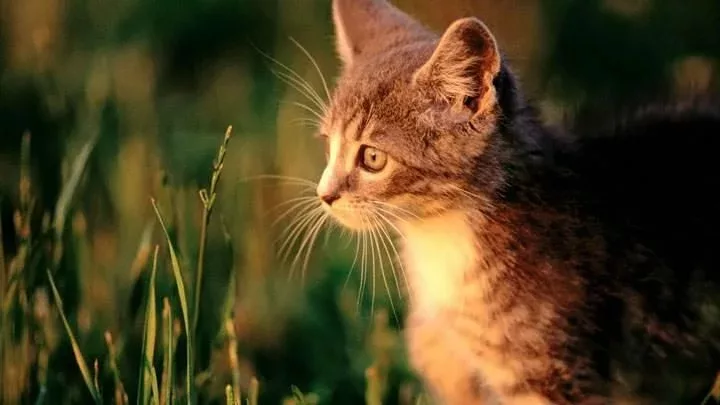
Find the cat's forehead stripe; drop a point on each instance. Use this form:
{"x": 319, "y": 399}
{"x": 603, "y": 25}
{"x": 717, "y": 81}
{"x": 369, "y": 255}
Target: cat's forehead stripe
{"x": 356, "y": 125}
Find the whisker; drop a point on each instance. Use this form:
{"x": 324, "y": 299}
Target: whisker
{"x": 363, "y": 268}
{"x": 307, "y": 229}
{"x": 293, "y": 74}
{"x": 289, "y": 179}
{"x": 290, "y": 231}
{"x": 397, "y": 255}
{"x": 309, "y": 109}
{"x": 378, "y": 238}
{"x": 373, "y": 241}
{"x": 352, "y": 266}
{"x": 306, "y": 122}
{"x": 306, "y": 243}
{"x": 303, "y": 87}
{"x": 317, "y": 67}
{"x": 471, "y": 194}
{"x": 386, "y": 239}
{"x": 395, "y": 207}
{"x": 303, "y": 201}
{"x": 313, "y": 237}
{"x": 302, "y": 224}
{"x": 394, "y": 216}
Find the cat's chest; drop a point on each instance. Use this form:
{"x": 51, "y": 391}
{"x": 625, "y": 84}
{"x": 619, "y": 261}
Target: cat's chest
{"x": 438, "y": 255}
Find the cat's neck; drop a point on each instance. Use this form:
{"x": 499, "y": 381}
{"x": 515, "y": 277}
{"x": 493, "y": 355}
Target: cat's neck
{"x": 441, "y": 255}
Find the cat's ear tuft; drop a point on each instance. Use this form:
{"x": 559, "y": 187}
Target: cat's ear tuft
{"x": 365, "y": 26}
{"x": 463, "y": 66}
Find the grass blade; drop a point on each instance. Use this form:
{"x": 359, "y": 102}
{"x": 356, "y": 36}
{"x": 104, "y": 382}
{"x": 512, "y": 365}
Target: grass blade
{"x": 149, "y": 337}
{"x": 120, "y": 395}
{"x": 84, "y": 370}
{"x": 233, "y": 356}
{"x": 253, "y": 392}
{"x": 68, "y": 191}
{"x": 153, "y": 383}
{"x": 177, "y": 275}
{"x": 167, "y": 381}
{"x": 229, "y": 396}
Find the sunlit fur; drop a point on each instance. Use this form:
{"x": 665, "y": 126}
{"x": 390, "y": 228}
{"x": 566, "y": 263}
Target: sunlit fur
{"x": 541, "y": 268}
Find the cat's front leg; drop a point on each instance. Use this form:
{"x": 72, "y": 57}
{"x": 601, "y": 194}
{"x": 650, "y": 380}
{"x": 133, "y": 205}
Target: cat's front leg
{"x": 445, "y": 372}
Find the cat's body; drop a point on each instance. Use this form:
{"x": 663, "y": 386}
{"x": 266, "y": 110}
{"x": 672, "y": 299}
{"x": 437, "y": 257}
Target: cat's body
{"x": 542, "y": 269}
{"x": 594, "y": 274}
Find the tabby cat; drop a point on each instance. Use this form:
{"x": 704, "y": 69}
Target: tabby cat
{"x": 543, "y": 268}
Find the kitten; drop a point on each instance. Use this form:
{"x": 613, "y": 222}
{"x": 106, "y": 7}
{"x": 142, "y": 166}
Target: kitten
{"x": 543, "y": 269}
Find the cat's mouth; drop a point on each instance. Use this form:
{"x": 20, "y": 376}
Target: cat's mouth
{"x": 361, "y": 216}
{"x": 349, "y": 216}
{"x": 364, "y": 216}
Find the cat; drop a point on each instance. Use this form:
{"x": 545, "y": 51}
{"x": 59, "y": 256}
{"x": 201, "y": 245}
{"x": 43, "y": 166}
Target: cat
{"x": 543, "y": 268}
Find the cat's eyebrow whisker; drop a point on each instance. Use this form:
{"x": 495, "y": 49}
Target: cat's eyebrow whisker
{"x": 307, "y": 122}
{"x": 379, "y": 238}
{"x": 297, "y": 78}
{"x": 301, "y": 84}
{"x": 304, "y": 88}
{"x": 315, "y": 64}
{"x": 309, "y": 109}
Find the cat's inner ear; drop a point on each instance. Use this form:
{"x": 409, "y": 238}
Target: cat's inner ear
{"x": 463, "y": 66}
{"x": 366, "y": 26}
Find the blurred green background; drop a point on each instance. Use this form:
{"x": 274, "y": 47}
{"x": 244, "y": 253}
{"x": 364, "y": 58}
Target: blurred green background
{"x": 105, "y": 104}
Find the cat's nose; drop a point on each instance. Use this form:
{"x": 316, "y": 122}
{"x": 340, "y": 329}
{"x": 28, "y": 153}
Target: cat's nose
{"x": 329, "y": 198}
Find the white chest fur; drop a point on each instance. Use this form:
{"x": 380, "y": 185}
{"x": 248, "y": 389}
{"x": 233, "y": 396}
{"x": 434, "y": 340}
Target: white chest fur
{"x": 437, "y": 254}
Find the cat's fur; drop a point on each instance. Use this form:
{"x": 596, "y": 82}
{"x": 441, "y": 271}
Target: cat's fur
{"x": 543, "y": 269}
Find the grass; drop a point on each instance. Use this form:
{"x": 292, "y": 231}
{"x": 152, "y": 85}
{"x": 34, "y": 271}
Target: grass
{"x": 164, "y": 372}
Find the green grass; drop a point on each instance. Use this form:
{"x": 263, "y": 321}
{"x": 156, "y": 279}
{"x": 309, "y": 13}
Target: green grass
{"x": 168, "y": 322}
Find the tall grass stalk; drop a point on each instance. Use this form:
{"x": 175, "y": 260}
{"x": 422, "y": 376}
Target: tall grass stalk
{"x": 84, "y": 370}
{"x": 121, "y": 397}
{"x": 207, "y": 196}
{"x": 148, "y": 380}
{"x": 182, "y": 296}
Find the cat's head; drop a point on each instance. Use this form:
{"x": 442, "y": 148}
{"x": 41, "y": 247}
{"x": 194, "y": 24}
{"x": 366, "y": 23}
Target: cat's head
{"x": 410, "y": 130}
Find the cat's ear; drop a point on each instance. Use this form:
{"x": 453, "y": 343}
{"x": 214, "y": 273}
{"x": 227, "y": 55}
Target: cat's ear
{"x": 463, "y": 66}
{"x": 365, "y": 26}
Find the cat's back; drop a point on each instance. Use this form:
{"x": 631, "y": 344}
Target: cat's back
{"x": 653, "y": 174}
{"x": 647, "y": 181}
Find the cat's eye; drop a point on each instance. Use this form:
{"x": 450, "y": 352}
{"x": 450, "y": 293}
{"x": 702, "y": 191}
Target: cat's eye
{"x": 371, "y": 159}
